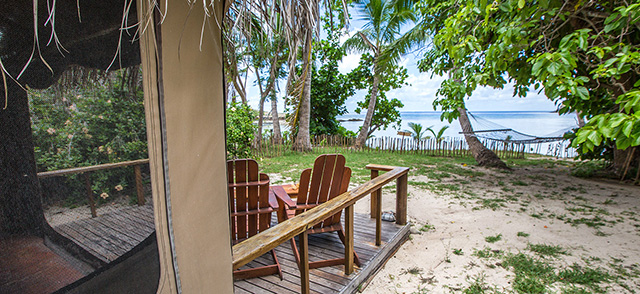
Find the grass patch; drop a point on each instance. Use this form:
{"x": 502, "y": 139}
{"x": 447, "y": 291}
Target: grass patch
{"x": 491, "y": 203}
{"x": 493, "y": 239}
{"x": 523, "y": 234}
{"x": 427, "y": 227}
{"x": 547, "y": 250}
{"x": 519, "y": 183}
{"x": 458, "y": 251}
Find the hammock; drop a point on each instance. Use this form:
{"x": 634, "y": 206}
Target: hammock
{"x": 492, "y": 131}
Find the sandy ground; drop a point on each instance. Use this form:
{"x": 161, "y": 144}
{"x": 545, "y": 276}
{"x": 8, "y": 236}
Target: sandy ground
{"x": 549, "y": 205}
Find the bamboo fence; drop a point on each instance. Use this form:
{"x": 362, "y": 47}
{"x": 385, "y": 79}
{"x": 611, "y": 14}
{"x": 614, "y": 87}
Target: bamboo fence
{"x": 448, "y": 147}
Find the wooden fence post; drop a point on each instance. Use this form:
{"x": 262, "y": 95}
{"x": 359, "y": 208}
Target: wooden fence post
{"x": 348, "y": 240}
{"x": 139, "y": 188}
{"x": 401, "y": 200}
{"x": 92, "y": 203}
{"x": 304, "y": 262}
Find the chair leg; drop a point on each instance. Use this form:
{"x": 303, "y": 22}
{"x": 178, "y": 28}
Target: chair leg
{"x": 356, "y": 259}
{"x": 275, "y": 260}
{"x": 294, "y": 247}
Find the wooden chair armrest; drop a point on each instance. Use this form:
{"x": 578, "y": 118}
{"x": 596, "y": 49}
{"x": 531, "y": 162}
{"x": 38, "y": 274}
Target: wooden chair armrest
{"x": 282, "y": 196}
{"x": 273, "y": 202}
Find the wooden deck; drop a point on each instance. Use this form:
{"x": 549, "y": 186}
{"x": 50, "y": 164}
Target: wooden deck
{"x": 324, "y": 246}
{"x": 110, "y": 235}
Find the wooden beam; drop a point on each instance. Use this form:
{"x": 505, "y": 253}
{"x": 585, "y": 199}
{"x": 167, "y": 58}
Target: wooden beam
{"x": 374, "y": 199}
{"x": 261, "y": 243}
{"x": 378, "y": 198}
{"x": 139, "y": 188}
{"x": 92, "y": 203}
{"x": 348, "y": 240}
{"x": 304, "y": 262}
{"x": 401, "y": 200}
{"x": 79, "y": 170}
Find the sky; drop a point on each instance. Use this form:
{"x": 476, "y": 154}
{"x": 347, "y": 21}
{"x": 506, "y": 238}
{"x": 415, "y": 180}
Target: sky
{"x": 421, "y": 91}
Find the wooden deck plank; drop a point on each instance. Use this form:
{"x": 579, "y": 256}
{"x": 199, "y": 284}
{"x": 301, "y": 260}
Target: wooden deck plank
{"x": 110, "y": 235}
{"x": 323, "y": 246}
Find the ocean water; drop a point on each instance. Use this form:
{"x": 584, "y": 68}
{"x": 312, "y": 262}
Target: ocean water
{"x": 535, "y": 123}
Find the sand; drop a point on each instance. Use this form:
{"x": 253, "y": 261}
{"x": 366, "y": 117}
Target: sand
{"x": 546, "y": 203}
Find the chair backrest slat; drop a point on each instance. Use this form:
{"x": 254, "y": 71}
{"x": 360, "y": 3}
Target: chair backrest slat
{"x": 244, "y": 198}
{"x": 329, "y": 178}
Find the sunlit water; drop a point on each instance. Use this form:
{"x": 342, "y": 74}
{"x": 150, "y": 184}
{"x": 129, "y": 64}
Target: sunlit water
{"x": 535, "y": 123}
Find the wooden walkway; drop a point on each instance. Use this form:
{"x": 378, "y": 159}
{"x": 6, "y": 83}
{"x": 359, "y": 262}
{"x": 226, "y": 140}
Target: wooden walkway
{"x": 325, "y": 246}
{"x": 109, "y": 236}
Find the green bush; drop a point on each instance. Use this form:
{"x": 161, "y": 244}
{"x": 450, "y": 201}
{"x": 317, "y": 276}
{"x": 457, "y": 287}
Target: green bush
{"x": 90, "y": 125}
{"x": 240, "y": 130}
{"x": 588, "y": 169}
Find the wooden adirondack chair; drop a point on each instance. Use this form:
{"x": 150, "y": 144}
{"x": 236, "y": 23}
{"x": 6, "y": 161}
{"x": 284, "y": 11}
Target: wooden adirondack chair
{"x": 251, "y": 208}
{"x": 328, "y": 179}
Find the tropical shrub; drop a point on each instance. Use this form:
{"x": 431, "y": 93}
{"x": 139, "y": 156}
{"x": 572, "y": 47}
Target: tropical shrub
{"x": 240, "y": 130}
{"x": 99, "y": 123}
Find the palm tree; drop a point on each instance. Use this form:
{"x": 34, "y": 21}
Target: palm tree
{"x": 416, "y": 131}
{"x": 384, "y": 19}
{"x": 438, "y": 136}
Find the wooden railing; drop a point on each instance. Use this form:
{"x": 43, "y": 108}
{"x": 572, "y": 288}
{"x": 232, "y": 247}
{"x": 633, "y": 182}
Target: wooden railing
{"x": 86, "y": 172}
{"x": 265, "y": 241}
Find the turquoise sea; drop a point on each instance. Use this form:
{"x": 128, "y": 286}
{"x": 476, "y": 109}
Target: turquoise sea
{"x": 536, "y": 123}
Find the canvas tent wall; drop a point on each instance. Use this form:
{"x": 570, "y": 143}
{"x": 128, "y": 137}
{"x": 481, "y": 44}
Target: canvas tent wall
{"x": 185, "y": 126}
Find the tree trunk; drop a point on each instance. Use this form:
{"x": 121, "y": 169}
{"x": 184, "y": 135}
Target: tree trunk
{"x": 625, "y": 160}
{"x": 258, "y": 137}
{"x": 364, "y": 131}
{"x": 277, "y": 135}
{"x": 20, "y": 201}
{"x": 482, "y": 154}
{"x": 303, "y": 139}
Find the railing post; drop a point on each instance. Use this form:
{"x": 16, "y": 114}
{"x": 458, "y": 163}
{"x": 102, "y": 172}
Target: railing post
{"x": 304, "y": 262}
{"x": 378, "y": 198}
{"x": 348, "y": 240}
{"x": 401, "y": 200}
{"x": 374, "y": 199}
{"x": 92, "y": 203}
{"x": 139, "y": 188}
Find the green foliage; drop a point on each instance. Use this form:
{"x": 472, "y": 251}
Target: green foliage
{"x": 240, "y": 130}
{"x": 416, "y": 131}
{"x": 493, "y": 239}
{"x": 85, "y": 126}
{"x": 393, "y": 77}
{"x": 547, "y": 250}
{"x": 587, "y": 169}
{"x": 589, "y": 67}
{"x": 439, "y": 136}
{"x": 329, "y": 88}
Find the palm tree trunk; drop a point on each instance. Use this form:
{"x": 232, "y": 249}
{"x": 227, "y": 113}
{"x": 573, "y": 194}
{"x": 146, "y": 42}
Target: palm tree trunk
{"x": 364, "y": 131}
{"x": 20, "y": 204}
{"x": 303, "y": 139}
{"x": 277, "y": 135}
{"x": 258, "y": 137}
{"x": 482, "y": 154}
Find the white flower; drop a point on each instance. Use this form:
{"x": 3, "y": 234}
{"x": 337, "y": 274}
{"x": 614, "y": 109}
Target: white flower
{"x": 70, "y": 136}
{"x": 233, "y": 109}
{"x": 51, "y": 131}
{"x": 104, "y": 195}
{"x": 118, "y": 188}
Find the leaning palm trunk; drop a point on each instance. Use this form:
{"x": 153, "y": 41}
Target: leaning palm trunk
{"x": 277, "y": 136}
{"x": 482, "y": 154}
{"x": 303, "y": 139}
{"x": 366, "y": 125}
